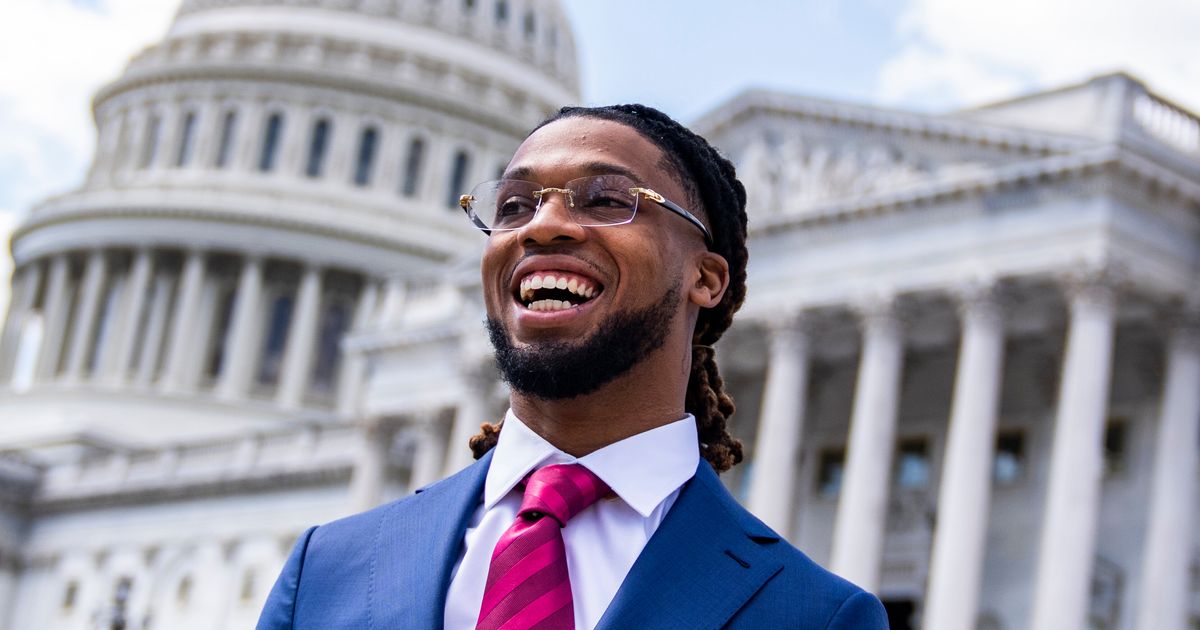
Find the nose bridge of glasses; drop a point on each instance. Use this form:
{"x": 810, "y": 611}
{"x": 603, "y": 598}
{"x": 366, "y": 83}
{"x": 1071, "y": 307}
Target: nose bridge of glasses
{"x": 567, "y": 193}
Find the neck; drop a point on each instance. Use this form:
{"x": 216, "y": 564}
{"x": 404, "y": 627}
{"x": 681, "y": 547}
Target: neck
{"x": 650, "y": 395}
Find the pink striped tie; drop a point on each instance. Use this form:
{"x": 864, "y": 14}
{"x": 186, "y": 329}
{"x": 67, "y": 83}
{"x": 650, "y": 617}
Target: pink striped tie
{"x": 527, "y": 583}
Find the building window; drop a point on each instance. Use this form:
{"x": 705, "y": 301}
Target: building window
{"x": 225, "y": 148}
{"x": 317, "y": 146}
{"x": 1116, "y": 446}
{"x": 912, "y": 463}
{"x": 469, "y": 5}
{"x": 412, "y": 167}
{"x": 270, "y": 146}
{"x": 187, "y": 135}
{"x": 458, "y": 178}
{"x": 246, "y": 593}
{"x": 70, "y": 596}
{"x": 1009, "y": 464}
{"x": 552, "y": 39}
{"x": 150, "y": 142}
{"x": 831, "y": 467}
{"x": 335, "y": 321}
{"x": 501, "y": 12}
{"x": 280, "y": 320}
{"x": 183, "y": 591}
{"x": 366, "y": 156}
{"x": 530, "y": 26}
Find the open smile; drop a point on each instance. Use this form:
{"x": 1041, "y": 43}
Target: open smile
{"x": 556, "y": 290}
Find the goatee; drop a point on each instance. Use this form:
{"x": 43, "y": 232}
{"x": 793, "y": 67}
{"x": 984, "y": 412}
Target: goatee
{"x": 555, "y": 370}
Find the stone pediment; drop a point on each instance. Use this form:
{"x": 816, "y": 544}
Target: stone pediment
{"x": 796, "y": 154}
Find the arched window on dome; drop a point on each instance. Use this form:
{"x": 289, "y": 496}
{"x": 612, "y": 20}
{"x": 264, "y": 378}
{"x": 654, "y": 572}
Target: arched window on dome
{"x": 501, "y": 12}
{"x": 225, "y": 146}
{"x": 458, "y": 178}
{"x": 530, "y": 24}
{"x": 412, "y": 167}
{"x": 270, "y": 145}
{"x": 187, "y": 140}
{"x": 317, "y": 145}
{"x": 468, "y": 6}
{"x": 150, "y": 141}
{"x": 367, "y": 142}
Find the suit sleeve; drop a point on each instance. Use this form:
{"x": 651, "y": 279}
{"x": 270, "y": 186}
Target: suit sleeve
{"x": 280, "y": 610}
{"x": 860, "y": 611}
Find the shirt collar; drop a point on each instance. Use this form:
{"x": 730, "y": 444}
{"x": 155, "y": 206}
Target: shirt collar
{"x": 642, "y": 469}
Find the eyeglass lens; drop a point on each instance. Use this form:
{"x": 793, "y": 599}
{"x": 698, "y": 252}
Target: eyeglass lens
{"x": 590, "y": 201}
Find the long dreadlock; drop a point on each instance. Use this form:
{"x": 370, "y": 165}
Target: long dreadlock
{"x": 712, "y": 187}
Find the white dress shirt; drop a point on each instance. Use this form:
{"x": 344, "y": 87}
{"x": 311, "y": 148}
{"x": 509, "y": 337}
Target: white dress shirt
{"x": 645, "y": 472}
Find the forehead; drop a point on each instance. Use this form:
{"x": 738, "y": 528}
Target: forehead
{"x": 574, "y": 147}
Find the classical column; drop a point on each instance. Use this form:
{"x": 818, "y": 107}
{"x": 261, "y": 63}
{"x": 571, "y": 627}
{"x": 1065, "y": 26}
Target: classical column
{"x": 472, "y": 411}
{"x": 780, "y": 425}
{"x": 241, "y": 344}
{"x": 129, "y": 326}
{"x": 301, "y": 340}
{"x": 430, "y": 456}
{"x": 1064, "y": 568}
{"x": 862, "y": 509}
{"x": 964, "y": 497}
{"x": 180, "y": 347}
{"x": 353, "y": 370}
{"x": 25, "y": 291}
{"x": 85, "y": 321}
{"x": 370, "y": 469}
{"x": 156, "y": 327}
{"x": 1166, "y": 552}
{"x": 57, "y": 312}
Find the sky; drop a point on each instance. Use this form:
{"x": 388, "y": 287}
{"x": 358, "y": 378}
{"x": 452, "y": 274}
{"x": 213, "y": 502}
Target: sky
{"x": 683, "y": 56}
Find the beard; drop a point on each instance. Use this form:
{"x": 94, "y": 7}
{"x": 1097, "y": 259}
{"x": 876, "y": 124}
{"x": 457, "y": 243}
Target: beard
{"x": 556, "y": 370}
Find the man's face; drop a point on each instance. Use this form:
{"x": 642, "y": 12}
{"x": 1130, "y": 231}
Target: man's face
{"x": 623, "y": 282}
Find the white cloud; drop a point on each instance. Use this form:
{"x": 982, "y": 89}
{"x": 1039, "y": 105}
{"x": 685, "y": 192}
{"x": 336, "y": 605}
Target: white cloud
{"x": 961, "y": 52}
{"x": 54, "y": 54}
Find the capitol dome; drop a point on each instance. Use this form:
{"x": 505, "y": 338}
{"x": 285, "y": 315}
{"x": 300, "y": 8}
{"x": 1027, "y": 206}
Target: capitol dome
{"x": 258, "y": 175}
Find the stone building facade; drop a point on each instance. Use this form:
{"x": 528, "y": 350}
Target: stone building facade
{"x": 967, "y": 373}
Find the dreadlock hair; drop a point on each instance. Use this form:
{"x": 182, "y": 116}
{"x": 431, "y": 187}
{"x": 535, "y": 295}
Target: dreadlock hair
{"x": 713, "y": 188}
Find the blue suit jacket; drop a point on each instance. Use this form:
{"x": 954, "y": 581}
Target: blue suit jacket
{"x": 710, "y": 564}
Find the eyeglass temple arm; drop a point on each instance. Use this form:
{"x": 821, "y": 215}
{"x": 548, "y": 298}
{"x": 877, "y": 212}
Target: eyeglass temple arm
{"x": 669, "y": 205}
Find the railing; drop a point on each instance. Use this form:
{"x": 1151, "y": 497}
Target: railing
{"x": 1167, "y": 123}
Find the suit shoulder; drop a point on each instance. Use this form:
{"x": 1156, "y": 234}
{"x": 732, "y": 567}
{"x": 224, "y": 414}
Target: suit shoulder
{"x": 803, "y": 589}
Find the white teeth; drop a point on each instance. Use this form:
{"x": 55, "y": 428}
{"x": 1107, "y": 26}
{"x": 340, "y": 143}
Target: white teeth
{"x": 549, "y": 305}
{"x": 562, "y": 283}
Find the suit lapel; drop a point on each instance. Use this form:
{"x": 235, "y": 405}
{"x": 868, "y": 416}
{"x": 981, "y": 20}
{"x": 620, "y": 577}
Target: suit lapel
{"x": 705, "y": 561}
{"x": 417, "y": 544}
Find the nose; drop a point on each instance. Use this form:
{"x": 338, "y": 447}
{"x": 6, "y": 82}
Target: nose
{"x": 552, "y": 222}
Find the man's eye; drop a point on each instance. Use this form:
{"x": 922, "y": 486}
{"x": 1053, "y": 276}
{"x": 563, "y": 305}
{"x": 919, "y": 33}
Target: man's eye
{"x": 514, "y": 207}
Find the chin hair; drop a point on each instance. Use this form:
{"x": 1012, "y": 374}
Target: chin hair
{"x": 558, "y": 370}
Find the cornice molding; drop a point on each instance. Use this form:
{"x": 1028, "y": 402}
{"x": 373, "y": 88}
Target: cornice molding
{"x": 754, "y": 103}
{"x": 52, "y": 213}
{"x": 1034, "y": 173}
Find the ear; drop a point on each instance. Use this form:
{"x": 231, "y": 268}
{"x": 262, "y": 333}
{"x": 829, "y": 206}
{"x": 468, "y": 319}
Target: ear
{"x": 711, "y": 281}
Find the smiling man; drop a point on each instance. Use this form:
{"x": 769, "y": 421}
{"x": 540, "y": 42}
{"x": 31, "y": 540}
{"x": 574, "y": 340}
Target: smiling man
{"x": 615, "y": 258}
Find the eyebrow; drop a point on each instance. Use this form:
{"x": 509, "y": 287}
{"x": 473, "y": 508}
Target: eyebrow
{"x": 591, "y": 168}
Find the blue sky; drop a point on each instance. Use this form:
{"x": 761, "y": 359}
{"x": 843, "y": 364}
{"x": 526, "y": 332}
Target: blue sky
{"x": 687, "y": 57}
{"x": 684, "y": 56}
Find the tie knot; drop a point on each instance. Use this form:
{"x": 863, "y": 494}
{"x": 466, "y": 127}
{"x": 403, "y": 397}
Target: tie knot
{"x": 561, "y": 491}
